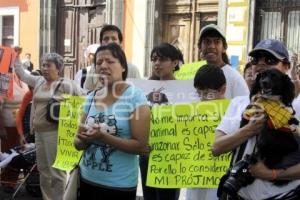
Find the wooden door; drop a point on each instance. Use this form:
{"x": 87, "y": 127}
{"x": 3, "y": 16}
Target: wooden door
{"x": 182, "y": 21}
{"x": 178, "y": 33}
{"x": 79, "y": 23}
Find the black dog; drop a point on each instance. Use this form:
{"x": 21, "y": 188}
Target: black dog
{"x": 274, "y": 143}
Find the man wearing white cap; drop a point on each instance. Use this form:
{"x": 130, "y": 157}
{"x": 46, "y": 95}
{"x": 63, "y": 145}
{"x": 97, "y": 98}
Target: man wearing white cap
{"x": 89, "y": 55}
{"x": 212, "y": 45}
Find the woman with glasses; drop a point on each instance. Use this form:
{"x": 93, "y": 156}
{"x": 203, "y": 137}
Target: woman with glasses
{"x": 166, "y": 59}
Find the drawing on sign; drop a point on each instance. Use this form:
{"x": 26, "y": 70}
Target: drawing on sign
{"x": 157, "y": 97}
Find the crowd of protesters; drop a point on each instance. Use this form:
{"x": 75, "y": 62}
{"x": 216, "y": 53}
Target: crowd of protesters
{"x": 121, "y": 153}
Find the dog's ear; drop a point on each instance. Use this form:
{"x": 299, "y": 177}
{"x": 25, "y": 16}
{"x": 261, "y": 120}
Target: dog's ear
{"x": 256, "y": 86}
{"x": 288, "y": 90}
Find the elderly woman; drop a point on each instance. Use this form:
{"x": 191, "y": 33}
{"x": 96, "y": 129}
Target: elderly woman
{"x": 52, "y": 181}
{"x": 116, "y": 125}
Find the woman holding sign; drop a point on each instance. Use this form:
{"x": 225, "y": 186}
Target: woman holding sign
{"x": 166, "y": 59}
{"x": 114, "y": 130}
{"x": 52, "y": 181}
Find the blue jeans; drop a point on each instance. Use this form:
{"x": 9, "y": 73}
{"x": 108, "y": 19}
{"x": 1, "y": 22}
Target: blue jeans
{"x": 151, "y": 193}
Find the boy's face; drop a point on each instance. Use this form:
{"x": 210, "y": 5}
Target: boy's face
{"x": 212, "y": 49}
{"x": 110, "y": 37}
{"x": 211, "y": 94}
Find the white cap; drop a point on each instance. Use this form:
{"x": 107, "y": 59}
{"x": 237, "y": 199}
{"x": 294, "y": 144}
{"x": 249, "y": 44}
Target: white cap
{"x": 91, "y": 49}
{"x": 212, "y": 27}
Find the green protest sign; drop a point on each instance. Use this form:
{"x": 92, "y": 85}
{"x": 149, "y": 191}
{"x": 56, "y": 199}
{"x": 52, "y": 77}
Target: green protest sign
{"x": 70, "y": 111}
{"x": 181, "y": 137}
{"x": 188, "y": 71}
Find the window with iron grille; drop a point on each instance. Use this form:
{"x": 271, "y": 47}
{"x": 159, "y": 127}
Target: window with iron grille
{"x": 278, "y": 19}
{"x": 7, "y": 30}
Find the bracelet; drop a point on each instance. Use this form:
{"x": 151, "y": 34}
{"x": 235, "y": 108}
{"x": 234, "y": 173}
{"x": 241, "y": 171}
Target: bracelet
{"x": 274, "y": 174}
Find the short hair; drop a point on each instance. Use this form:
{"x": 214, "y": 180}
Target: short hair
{"x": 214, "y": 33}
{"x": 118, "y": 53}
{"x": 168, "y": 51}
{"x": 209, "y": 76}
{"x": 57, "y": 59}
{"x": 110, "y": 27}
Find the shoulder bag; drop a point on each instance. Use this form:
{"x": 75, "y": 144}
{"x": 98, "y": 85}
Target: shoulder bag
{"x": 53, "y": 107}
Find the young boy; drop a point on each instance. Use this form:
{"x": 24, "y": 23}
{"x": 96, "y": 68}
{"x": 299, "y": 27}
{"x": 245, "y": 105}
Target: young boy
{"x": 210, "y": 83}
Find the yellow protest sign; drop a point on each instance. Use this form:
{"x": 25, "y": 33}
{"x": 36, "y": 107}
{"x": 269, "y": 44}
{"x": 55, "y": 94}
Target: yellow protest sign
{"x": 181, "y": 137}
{"x": 188, "y": 71}
{"x": 69, "y": 116}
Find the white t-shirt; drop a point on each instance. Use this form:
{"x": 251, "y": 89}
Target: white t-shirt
{"x": 133, "y": 71}
{"x": 259, "y": 189}
{"x": 78, "y": 75}
{"x": 235, "y": 83}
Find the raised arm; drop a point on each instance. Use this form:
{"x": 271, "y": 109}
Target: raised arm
{"x": 25, "y": 76}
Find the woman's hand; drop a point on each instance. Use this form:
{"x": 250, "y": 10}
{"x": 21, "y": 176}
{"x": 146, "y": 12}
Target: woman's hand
{"x": 89, "y": 134}
{"x": 81, "y": 141}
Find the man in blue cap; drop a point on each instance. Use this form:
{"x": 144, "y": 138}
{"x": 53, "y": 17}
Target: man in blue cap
{"x": 266, "y": 54}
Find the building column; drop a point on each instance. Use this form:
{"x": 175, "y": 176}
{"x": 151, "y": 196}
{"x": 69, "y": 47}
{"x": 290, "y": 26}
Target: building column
{"x": 48, "y": 24}
{"x": 222, "y": 15}
{"x": 115, "y": 12}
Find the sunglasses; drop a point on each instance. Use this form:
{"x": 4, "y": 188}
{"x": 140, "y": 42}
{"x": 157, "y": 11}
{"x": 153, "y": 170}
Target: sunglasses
{"x": 269, "y": 59}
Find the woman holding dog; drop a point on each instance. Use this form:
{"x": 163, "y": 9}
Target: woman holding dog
{"x": 52, "y": 181}
{"x": 267, "y": 54}
{"x": 114, "y": 130}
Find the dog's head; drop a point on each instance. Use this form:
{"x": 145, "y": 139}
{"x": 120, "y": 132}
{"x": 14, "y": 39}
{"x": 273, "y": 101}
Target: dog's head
{"x": 273, "y": 82}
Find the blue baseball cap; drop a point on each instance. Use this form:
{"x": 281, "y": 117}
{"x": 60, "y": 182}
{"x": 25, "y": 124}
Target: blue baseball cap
{"x": 274, "y": 47}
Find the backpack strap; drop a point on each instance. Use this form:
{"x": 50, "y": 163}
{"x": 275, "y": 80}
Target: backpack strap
{"x": 83, "y": 77}
{"x": 56, "y": 88}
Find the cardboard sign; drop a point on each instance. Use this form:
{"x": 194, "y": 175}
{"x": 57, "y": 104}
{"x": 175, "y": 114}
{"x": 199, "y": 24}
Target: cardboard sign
{"x": 69, "y": 115}
{"x": 7, "y": 56}
{"x": 181, "y": 137}
{"x": 188, "y": 71}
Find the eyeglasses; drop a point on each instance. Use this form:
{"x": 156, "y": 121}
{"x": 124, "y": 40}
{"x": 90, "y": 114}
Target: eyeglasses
{"x": 207, "y": 94}
{"x": 268, "y": 59}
